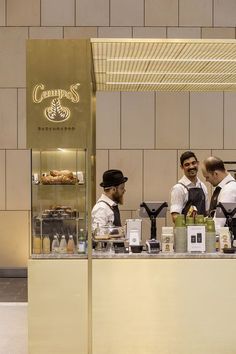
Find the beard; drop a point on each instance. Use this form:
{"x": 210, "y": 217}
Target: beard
{"x": 117, "y": 198}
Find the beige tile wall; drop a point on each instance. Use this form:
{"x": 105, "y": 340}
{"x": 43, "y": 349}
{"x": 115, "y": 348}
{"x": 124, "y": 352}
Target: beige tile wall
{"x": 126, "y": 13}
{"x": 23, "y": 12}
{"x": 195, "y": 12}
{"x": 2, "y": 13}
{"x": 2, "y": 179}
{"x": 57, "y": 12}
{"x": 141, "y": 133}
{"x": 137, "y": 120}
{"x": 161, "y": 13}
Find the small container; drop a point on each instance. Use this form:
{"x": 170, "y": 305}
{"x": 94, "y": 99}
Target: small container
{"x": 180, "y": 220}
{"x": 136, "y": 248}
{"x": 167, "y": 239}
{"x": 189, "y": 220}
{"x": 199, "y": 219}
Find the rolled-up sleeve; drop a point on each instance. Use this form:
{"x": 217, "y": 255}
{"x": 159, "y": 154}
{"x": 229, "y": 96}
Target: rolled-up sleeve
{"x": 177, "y": 199}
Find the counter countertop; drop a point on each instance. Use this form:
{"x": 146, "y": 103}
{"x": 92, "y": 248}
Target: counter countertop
{"x": 142, "y": 255}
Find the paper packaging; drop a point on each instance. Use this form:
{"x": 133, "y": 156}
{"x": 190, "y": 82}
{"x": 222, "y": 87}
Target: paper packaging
{"x": 224, "y": 238}
{"x": 167, "y": 239}
{"x": 196, "y": 238}
{"x": 133, "y": 231}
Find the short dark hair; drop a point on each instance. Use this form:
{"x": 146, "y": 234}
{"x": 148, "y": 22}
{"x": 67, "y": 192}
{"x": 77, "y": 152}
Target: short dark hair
{"x": 213, "y": 164}
{"x": 186, "y": 155}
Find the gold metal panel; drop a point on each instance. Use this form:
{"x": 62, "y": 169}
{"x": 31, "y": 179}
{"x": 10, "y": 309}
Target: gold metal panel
{"x": 59, "y": 93}
{"x": 164, "y": 64}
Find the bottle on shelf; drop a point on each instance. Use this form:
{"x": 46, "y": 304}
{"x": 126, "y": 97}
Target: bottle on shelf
{"x": 71, "y": 245}
{"x": 63, "y": 245}
{"x": 46, "y": 244}
{"x": 55, "y": 244}
{"x": 37, "y": 244}
{"x": 81, "y": 242}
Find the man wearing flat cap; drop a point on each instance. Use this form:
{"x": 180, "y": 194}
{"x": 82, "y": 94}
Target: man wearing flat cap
{"x": 106, "y": 209}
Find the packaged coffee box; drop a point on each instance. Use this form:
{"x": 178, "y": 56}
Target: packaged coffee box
{"x": 224, "y": 238}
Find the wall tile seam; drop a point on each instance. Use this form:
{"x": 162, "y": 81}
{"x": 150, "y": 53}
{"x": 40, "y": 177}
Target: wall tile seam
{"x": 151, "y": 149}
{"x": 14, "y": 149}
{"x": 14, "y": 210}
{"x": 17, "y": 118}
{"x": 213, "y": 12}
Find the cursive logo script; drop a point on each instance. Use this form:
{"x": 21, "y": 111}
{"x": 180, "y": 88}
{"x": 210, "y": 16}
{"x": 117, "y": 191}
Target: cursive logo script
{"x": 56, "y": 112}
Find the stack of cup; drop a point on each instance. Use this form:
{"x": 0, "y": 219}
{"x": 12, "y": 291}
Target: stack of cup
{"x": 180, "y": 234}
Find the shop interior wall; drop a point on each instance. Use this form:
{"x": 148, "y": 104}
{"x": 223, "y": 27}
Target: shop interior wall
{"x": 141, "y": 133}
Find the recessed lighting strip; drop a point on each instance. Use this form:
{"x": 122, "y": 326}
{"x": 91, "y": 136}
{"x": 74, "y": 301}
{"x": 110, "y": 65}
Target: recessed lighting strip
{"x": 166, "y": 73}
{"x": 171, "y": 83}
{"x": 173, "y": 60}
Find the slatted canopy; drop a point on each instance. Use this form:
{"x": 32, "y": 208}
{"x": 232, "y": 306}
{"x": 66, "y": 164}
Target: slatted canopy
{"x": 164, "y": 64}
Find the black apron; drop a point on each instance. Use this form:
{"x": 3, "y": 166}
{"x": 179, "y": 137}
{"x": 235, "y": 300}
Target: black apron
{"x": 197, "y": 198}
{"x": 115, "y": 209}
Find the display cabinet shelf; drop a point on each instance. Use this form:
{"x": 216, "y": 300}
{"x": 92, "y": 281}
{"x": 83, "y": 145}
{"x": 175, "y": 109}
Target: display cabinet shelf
{"x": 59, "y": 198}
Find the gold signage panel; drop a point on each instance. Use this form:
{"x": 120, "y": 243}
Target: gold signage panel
{"x": 59, "y": 93}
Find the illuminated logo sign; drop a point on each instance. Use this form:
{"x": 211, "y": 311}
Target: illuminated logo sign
{"x": 56, "y": 112}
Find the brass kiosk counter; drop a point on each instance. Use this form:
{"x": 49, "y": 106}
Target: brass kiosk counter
{"x": 139, "y": 303}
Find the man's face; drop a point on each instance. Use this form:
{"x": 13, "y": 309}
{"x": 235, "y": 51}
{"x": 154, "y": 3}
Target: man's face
{"x": 117, "y": 193}
{"x": 190, "y": 167}
{"x": 210, "y": 177}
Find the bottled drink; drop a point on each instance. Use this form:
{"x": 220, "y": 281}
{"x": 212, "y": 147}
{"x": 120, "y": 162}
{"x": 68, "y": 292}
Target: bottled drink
{"x": 63, "y": 245}
{"x": 71, "y": 245}
{"x": 46, "y": 244}
{"x": 37, "y": 244}
{"x": 55, "y": 244}
{"x": 81, "y": 242}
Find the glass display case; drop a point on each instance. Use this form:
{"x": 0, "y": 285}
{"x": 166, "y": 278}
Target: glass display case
{"x": 59, "y": 220}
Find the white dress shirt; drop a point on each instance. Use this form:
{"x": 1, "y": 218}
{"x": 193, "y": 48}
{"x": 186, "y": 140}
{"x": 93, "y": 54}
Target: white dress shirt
{"x": 226, "y": 195}
{"x": 102, "y": 213}
{"x": 179, "y": 194}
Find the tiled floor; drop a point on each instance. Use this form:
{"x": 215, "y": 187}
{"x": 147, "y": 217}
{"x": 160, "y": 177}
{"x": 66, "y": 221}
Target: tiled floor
{"x": 13, "y": 316}
{"x": 13, "y": 328}
{"x": 13, "y": 290}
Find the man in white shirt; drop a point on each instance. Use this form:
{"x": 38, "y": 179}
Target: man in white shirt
{"x": 189, "y": 192}
{"x": 106, "y": 209}
{"x": 225, "y": 185}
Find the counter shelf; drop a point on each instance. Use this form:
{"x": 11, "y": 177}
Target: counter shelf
{"x": 59, "y": 256}
{"x": 163, "y": 256}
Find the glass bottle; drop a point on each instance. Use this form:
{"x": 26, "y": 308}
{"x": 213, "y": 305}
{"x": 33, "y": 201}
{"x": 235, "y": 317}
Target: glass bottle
{"x": 63, "y": 245}
{"x": 81, "y": 242}
{"x": 46, "y": 244}
{"x": 37, "y": 244}
{"x": 71, "y": 245}
{"x": 55, "y": 244}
